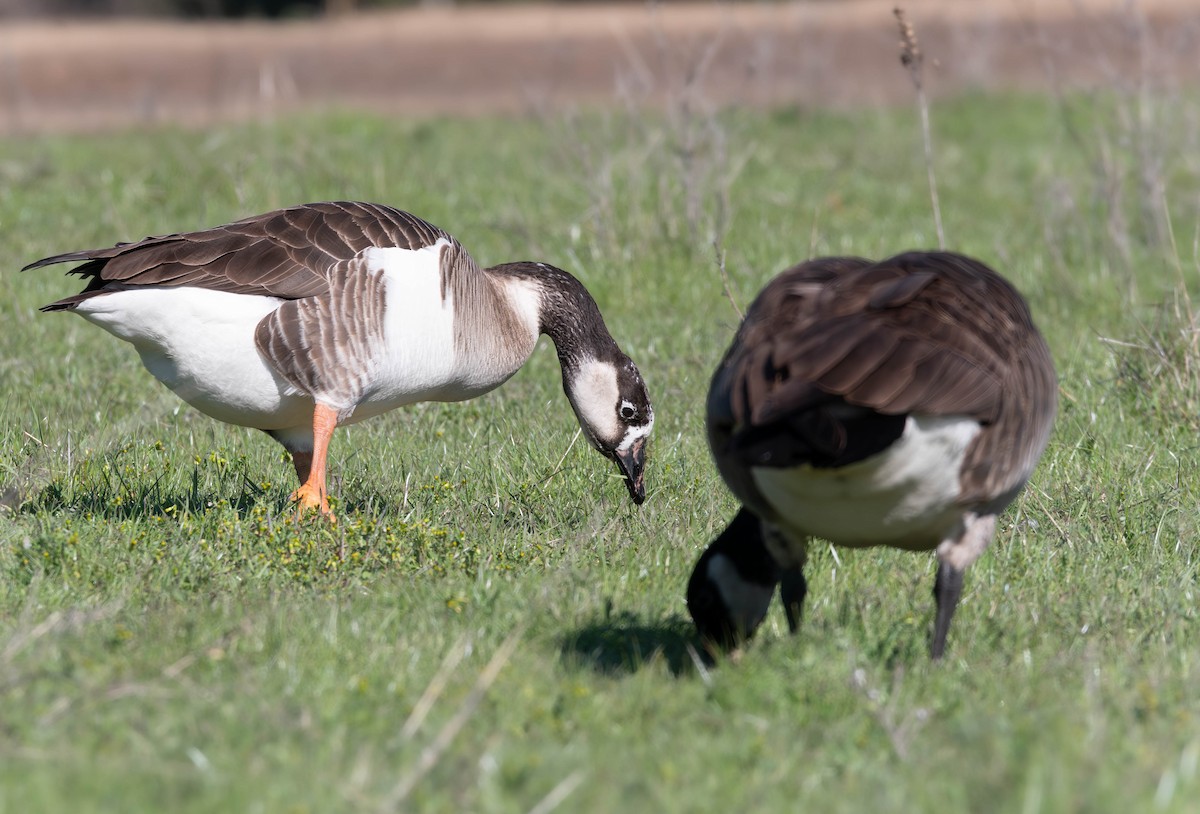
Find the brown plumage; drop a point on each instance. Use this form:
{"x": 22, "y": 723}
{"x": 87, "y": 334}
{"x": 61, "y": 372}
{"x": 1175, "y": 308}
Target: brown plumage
{"x": 833, "y": 359}
{"x": 305, "y": 318}
{"x": 287, "y": 253}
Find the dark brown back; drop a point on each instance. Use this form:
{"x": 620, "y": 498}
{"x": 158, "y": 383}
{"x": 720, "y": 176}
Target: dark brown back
{"x": 932, "y": 333}
{"x": 288, "y": 253}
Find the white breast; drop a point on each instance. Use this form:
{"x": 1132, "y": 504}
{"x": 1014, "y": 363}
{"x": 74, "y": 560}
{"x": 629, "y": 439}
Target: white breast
{"x": 904, "y": 497}
{"x": 418, "y": 354}
{"x": 200, "y": 343}
{"x": 420, "y": 360}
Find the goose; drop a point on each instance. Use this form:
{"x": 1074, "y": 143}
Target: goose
{"x": 304, "y": 319}
{"x": 899, "y": 403}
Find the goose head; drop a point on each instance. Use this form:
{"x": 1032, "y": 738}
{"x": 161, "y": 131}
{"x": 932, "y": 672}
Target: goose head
{"x": 733, "y": 583}
{"x": 610, "y": 400}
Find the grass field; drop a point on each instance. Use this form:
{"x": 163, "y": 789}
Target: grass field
{"x": 505, "y": 631}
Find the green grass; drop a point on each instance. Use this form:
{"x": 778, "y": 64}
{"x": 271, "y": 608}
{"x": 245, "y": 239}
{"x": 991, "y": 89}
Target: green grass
{"x": 172, "y": 640}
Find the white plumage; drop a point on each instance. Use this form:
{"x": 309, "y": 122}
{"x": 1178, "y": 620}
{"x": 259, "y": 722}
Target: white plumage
{"x": 303, "y": 319}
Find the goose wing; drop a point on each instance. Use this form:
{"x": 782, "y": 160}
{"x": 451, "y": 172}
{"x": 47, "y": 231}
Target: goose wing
{"x": 836, "y": 352}
{"x": 289, "y": 253}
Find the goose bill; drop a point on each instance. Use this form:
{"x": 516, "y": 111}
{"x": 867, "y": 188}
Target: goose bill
{"x": 632, "y": 460}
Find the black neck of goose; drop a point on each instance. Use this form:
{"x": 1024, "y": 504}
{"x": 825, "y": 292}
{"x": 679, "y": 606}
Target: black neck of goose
{"x": 742, "y": 542}
{"x": 568, "y": 314}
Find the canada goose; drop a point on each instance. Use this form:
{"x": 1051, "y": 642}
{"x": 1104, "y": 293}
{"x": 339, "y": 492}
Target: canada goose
{"x": 304, "y": 319}
{"x": 901, "y": 403}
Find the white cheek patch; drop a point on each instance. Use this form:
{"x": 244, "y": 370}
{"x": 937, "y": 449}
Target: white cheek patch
{"x": 634, "y": 433}
{"x": 746, "y": 601}
{"x": 593, "y": 395}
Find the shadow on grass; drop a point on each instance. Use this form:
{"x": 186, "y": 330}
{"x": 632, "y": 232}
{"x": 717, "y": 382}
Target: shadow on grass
{"x": 111, "y": 496}
{"x": 135, "y": 503}
{"x": 623, "y": 643}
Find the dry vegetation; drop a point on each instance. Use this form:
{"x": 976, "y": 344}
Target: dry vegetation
{"x": 77, "y": 76}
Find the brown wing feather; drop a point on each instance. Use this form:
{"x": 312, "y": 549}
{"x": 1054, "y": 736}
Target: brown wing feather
{"x": 947, "y": 343}
{"x": 288, "y": 253}
{"x": 933, "y": 333}
{"x": 327, "y": 345}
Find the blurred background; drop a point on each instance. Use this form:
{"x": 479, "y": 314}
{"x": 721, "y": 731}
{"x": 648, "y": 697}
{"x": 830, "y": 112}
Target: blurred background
{"x": 85, "y": 65}
{"x": 182, "y": 8}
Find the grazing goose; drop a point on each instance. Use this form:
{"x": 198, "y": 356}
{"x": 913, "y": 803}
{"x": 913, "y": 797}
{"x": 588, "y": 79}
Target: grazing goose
{"x": 304, "y": 319}
{"x": 901, "y": 403}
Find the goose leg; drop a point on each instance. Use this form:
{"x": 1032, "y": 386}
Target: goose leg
{"x": 312, "y": 494}
{"x": 947, "y": 589}
{"x": 302, "y": 461}
{"x": 792, "y": 590}
{"x": 955, "y": 555}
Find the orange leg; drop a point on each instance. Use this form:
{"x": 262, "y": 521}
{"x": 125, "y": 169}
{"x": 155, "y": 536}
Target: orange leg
{"x": 312, "y": 494}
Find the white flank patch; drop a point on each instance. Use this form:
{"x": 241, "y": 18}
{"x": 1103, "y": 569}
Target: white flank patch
{"x": 747, "y": 602}
{"x": 200, "y": 343}
{"x": 903, "y": 497}
{"x": 418, "y": 363}
{"x": 594, "y": 394}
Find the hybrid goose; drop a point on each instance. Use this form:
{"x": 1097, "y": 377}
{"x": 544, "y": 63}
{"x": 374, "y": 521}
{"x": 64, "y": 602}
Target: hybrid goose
{"x": 901, "y": 403}
{"x": 308, "y": 318}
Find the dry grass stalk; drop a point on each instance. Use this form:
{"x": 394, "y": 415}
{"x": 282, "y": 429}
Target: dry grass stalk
{"x": 663, "y": 136}
{"x": 54, "y": 624}
{"x": 901, "y": 727}
{"x": 1131, "y": 130}
{"x": 719, "y": 254}
{"x": 434, "y": 689}
{"x": 912, "y": 58}
{"x": 559, "y": 793}
{"x": 434, "y": 751}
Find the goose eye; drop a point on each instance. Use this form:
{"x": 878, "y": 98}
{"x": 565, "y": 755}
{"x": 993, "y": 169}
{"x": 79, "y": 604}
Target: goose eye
{"x": 628, "y": 411}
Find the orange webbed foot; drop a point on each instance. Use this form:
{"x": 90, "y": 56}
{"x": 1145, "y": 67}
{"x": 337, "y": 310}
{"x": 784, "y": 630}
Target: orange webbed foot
{"x": 310, "y": 497}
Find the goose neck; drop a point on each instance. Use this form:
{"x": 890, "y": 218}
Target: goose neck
{"x": 566, "y": 313}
